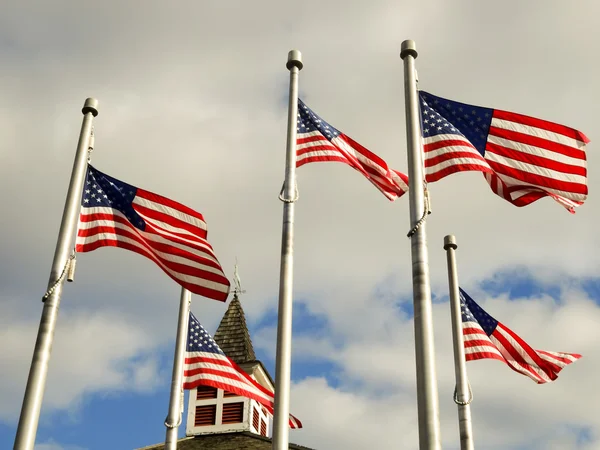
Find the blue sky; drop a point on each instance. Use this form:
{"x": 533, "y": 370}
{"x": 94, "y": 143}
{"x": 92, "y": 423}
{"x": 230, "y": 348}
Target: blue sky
{"x": 193, "y": 106}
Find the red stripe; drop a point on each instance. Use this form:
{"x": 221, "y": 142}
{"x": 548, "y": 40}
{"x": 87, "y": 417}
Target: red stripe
{"x": 151, "y": 215}
{"x": 326, "y": 146}
{"x": 517, "y": 359}
{"x": 536, "y": 160}
{"x": 435, "y": 145}
{"x": 543, "y": 124}
{"x": 229, "y": 363}
{"x": 205, "y": 249}
{"x": 483, "y": 355}
{"x": 194, "y": 288}
{"x": 153, "y": 247}
{"x": 478, "y": 343}
{"x": 538, "y": 180}
{"x": 438, "y": 175}
{"x": 450, "y": 155}
{"x": 544, "y": 145}
{"x": 374, "y": 169}
{"x": 200, "y": 245}
{"x": 148, "y": 252}
{"x": 170, "y": 203}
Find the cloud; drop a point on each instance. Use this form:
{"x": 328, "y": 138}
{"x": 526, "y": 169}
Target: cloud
{"x": 377, "y": 389}
{"x": 97, "y": 353}
{"x": 193, "y": 106}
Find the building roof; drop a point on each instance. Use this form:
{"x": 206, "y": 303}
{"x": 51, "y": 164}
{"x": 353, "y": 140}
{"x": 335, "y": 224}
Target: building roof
{"x": 233, "y": 336}
{"x": 243, "y": 440}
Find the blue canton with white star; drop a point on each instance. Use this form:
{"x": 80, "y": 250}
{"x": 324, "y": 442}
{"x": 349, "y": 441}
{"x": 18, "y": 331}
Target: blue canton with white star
{"x": 103, "y": 190}
{"x": 199, "y": 340}
{"x": 308, "y": 121}
{"x": 472, "y": 312}
{"x": 441, "y": 116}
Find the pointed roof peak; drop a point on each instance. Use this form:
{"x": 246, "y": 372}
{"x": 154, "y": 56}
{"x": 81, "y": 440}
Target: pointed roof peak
{"x": 233, "y": 336}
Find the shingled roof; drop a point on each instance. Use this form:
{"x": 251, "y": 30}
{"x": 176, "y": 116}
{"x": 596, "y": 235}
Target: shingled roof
{"x": 233, "y": 336}
{"x": 225, "y": 441}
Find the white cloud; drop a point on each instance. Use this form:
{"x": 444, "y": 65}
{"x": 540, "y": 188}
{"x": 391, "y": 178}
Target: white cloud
{"x": 91, "y": 354}
{"x": 192, "y": 106}
{"x": 375, "y": 403}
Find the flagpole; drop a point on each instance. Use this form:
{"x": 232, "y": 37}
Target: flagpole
{"x": 283, "y": 361}
{"x": 462, "y": 395}
{"x": 173, "y": 419}
{"x": 36, "y": 383}
{"x": 427, "y": 395}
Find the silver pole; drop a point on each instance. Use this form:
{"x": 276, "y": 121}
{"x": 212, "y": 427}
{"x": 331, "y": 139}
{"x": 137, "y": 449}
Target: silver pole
{"x": 173, "y": 420}
{"x": 462, "y": 396}
{"x": 36, "y": 383}
{"x": 283, "y": 360}
{"x": 427, "y": 396}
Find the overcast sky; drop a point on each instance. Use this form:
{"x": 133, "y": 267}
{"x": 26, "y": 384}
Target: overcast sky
{"x": 193, "y": 105}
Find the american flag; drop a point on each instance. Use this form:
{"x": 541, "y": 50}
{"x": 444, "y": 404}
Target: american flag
{"x": 117, "y": 214}
{"x": 522, "y": 158}
{"x": 317, "y": 141}
{"x": 485, "y": 337}
{"x": 206, "y": 364}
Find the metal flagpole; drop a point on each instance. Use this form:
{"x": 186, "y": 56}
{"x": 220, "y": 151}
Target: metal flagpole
{"x": 427, "y": 396}
{"x": 173, "y": 420}
{"x": 462, "y": 394}
{"x": 36, "y": 383}
{"x": 288, "y": 196}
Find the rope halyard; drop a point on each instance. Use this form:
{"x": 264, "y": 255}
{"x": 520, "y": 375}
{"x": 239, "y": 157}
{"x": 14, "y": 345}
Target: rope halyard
{"x": 458, "y": 402}
{"x": 60, "y": 278}
{"x": 286, "y": 200}
{"x": 91, "y": 142}
{"x": 426, "y": 212}
{"x": 170, "y": 425}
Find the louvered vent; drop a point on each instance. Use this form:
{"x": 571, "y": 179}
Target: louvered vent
{"x": 255, "y": 419}
{"x": 263, "y": 428}
{"x": 233, "y": 412}
{"x": 204, "y": 392}
{"x": 229, "y": 394}
{"x": 205, "y": 415}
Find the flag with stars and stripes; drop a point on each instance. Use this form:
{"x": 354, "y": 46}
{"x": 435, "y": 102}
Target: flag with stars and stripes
{"x": 206, "y": 364}
{"x": 522, "y": 158}
{"x": 117, "y": 214}
{"x": 317, "y": 141}
{"x": 485, "y": 337}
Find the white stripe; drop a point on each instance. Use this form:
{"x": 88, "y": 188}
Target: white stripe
{"x": 553, "y": 358}
{"x": 510, "y": 181}
{"x": 228, "y": 381}
{"x": 538, "y": 132}
{"x": 431, "y": 154}
{"x": 321, "y": 153}
{"x": 205, "y": 250}
{"x": 431, "y": 170}
{"x": 522, "y": 352}
{"x": 150, "y": 239}
{"x": 537, "y": 151}
{"x": 448, "y": 137}
{"x": 184, "y": 217}
{"x": 534, "y": 169}
{"x": 363, "y": 159}
{"x": 173, "y": 258}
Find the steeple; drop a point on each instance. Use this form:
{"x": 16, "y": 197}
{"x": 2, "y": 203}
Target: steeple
{"x": 214, "y": 410}
{"x": 233, "y": 336}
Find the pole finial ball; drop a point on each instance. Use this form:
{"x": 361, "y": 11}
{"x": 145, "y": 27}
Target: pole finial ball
{"x": 408, "y": 48}
{"x": 294, "y": 60}
{"x": 90, "y": 106}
